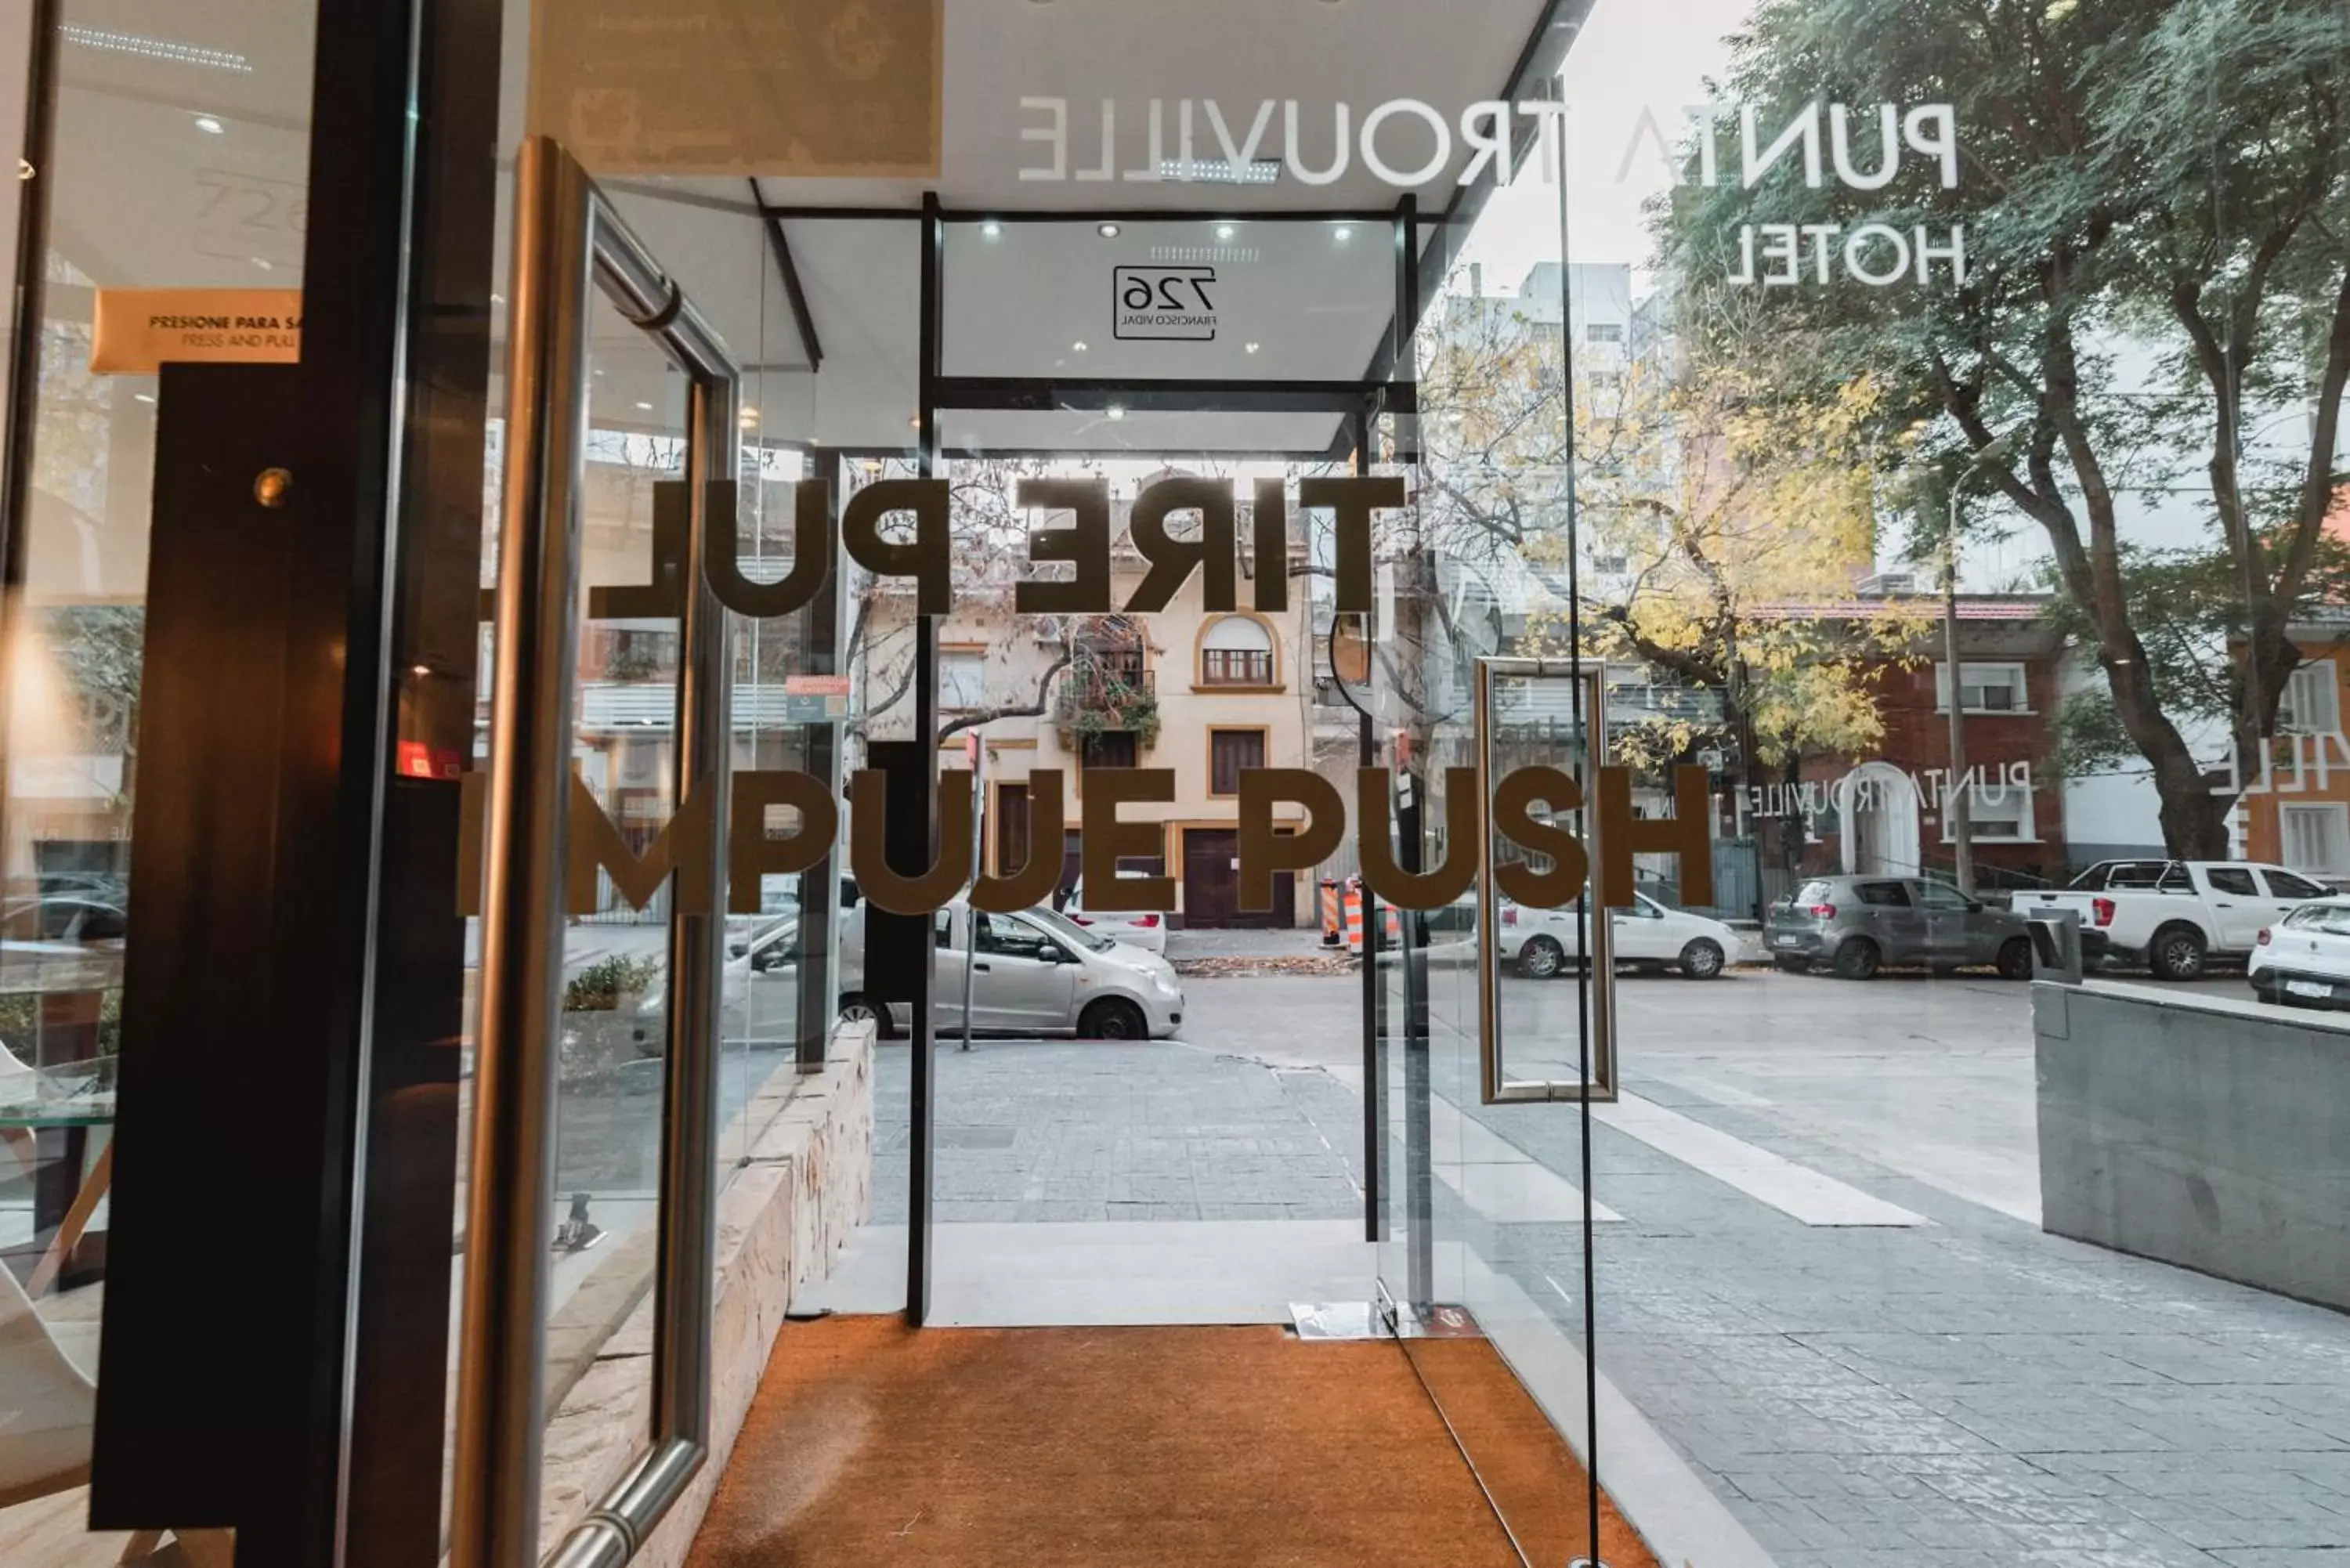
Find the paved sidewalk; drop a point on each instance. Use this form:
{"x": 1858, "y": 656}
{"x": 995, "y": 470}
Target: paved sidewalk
{"x": 1958, "y": 1394}
{"x": 1189, "y": 944}
{"x": 1052, "y": 1131}
{"x": 1961, "y": 1394}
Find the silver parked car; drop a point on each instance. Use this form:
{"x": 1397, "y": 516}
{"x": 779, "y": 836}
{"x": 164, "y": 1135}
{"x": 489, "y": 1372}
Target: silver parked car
{"x": 1855, "y": 924}
{"x": 1036, "y": 972}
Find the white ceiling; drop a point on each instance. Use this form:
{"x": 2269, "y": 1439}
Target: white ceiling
{"x": 149, "y": 196}
{"x": 1241, "y": 53}
{"x": 1291, "y": 301}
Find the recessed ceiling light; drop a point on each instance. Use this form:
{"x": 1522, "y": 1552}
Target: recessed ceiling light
{"x": 915, "y": 423}
{"x": 1109, "y": 231}
{"x": 1118, "y": 410}
{"x": 1221, "y": 171}
{"x": 1252, "y": 348}
{"x": 420, "y": 670}
{"x": 209, "y": 126}
{"x": 1342, "y": 233}
{"x": 1225, "y": 231}
{"x": 262, "y": 264}
{"x": 142, "y": 397}
{"x": 647, "y": 407}
{"x": 497, "y": 299}
{"x": 156, "y": 48}
{"x": 1078, "y": 346}
{"x": 991, "y": 229}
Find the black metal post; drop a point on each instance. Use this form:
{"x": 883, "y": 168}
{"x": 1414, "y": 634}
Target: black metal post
{"x": 821, "y": 629}
{"x": 922, "y": 1164}
{"x": 1403, "y": 386}
{"x": 1375, "y": 1081}
{"x": 29, "y": 281}
{"x": 397, "y": 1442}
{"x": 1375, "y": 1129}
{"x": 1418, "y": 1130}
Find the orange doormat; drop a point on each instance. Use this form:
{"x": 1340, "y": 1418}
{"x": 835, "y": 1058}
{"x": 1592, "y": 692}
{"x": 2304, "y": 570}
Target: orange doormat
{"x": 1163, "y": 1448}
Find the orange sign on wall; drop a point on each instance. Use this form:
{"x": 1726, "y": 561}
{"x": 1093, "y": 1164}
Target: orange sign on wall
{"x": 138, "y": 330}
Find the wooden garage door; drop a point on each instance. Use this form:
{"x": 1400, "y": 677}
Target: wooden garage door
{"x": 1211, "y": 886}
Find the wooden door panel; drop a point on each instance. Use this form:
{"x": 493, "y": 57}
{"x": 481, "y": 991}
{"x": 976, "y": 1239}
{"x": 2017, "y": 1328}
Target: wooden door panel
{"x": 1211, "y": 886}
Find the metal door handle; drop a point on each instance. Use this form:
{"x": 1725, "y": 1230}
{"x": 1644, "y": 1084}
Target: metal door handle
{"x": 569, "y": 245}
{"x": 1595, "y": 1080}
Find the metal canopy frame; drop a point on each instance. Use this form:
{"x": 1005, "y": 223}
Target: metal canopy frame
{"x": 1370, "y": 396}
{"x": 1356, "y": 404}
{"x": 1539, "y": 61}
{"x": 1385, "y": 386}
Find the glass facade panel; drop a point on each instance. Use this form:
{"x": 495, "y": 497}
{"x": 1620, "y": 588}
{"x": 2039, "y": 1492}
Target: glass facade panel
{"x": 1849, "y": 504}
{"x": 176, "y": 153}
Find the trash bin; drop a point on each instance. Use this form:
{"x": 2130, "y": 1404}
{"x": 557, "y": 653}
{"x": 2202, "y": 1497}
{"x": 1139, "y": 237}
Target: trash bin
{"x": 2056, "y": 946}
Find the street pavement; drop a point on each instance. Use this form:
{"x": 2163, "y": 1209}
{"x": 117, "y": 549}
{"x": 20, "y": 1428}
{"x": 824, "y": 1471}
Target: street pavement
{"x": 1817, "y": 1263}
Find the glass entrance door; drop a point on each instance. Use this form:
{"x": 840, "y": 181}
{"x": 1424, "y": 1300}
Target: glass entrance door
{"x": 1171, "y": 1135}
{"x": 835, "y": 290}
{"x": 652, "y": 1188}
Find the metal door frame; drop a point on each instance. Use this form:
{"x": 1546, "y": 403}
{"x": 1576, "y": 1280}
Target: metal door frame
{"x": 568, "y": 236}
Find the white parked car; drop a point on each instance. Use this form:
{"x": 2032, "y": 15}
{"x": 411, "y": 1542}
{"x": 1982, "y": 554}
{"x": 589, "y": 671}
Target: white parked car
{"x": 1147, "y": 931}
{"x": 1036, "y": 972}
{"x": 744, "y": 932}
{"x": 1543, "y": 943}
{"x": 760, "y": 997}
{"x": 2175, "y": 915}
{"x": 2303, "y": 960}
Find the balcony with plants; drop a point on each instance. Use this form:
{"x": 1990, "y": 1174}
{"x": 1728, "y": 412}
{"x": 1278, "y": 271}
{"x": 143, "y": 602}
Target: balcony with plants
{"x": 1106, "y": 692}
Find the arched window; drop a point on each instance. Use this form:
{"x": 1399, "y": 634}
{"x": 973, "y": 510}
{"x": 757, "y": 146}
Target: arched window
{"x": 1236, "y": 650}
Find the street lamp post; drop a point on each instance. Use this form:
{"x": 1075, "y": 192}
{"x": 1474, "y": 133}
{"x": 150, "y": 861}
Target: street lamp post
{"x": 1957, "y": 798}
{"x": 1954, "y": 789}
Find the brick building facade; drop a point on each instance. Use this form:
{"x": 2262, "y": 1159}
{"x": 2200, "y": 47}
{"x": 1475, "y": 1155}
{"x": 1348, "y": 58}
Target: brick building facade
{"x": 1889, "y": 811}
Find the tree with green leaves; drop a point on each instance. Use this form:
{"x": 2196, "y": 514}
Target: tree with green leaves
{"x": 99, "y": 651}
{"x": 2153, "y": 201}
{"x": 2185, "y": 603}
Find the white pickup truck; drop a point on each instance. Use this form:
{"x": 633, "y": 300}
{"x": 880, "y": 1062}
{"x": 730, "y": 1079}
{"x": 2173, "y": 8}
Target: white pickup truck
{"x": 2175, "y": 915}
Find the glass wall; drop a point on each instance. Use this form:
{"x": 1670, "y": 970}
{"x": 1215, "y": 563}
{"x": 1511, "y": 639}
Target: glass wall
{"x": 177, "y": 159}
{"x": 1957, "y": 462}
{"x": 1917, "y": 423}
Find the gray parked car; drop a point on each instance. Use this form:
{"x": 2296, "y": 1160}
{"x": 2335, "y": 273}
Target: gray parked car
{"x": 1855, "y": 924}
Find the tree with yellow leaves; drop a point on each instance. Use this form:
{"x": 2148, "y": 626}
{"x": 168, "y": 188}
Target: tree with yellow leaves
{"x": 1738, "y": 528}
{"x": 1716, "y": 535}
